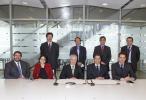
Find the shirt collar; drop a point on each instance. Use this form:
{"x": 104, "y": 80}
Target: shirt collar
{"x": 72, "y": 66}
{"x": 17, "y": 62}
{"x": 97, "y": 65}
{"x": 129, "y": 46}
{"x": 50, "y": 43}
{"x": 121, "y": 64}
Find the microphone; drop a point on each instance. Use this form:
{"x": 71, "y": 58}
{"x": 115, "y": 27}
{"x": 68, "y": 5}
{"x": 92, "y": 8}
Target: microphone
{"x": 55, "y": 83}
{"x": 92, "y": 83}
{"x": 70, "y": 83}
{"x": 129, "y": 81}
{"x": 85, "y": 73}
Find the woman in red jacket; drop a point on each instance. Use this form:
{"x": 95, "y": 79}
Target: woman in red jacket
{"x": 42, "y": 70}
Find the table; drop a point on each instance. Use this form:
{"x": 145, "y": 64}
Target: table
{"x": 21, "y": 89}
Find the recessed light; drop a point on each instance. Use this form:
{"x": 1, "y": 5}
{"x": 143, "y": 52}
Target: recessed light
{"x": 143, "y": 5}
{"x": 104, "y": 4}
{"x": 24, "y": 3}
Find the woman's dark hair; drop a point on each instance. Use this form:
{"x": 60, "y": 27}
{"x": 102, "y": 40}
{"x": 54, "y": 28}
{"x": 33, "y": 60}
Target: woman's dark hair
{"x": 41, "y": 57}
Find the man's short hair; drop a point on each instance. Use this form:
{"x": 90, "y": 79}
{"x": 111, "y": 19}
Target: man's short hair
{"x": 49, "y": 33}
{"x": 122, "y": 53}
{"x": 130, "y": 38}
{"x": 102, "y": 37}
{"x": 78, "y": 38}
{"x": 18, "y": 53}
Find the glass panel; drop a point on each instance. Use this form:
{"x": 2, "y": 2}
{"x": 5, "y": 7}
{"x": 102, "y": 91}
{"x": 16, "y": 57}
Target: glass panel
{"x": 4, "y": 11}
{"x": 138, "y": 32}
{"x": 94, "y": 30}
{"x": 64, "y": 33}
{"x": 93, "y": 12}
{"x": 134, "y": 14}
{"x": 70, "y": 12}
{"x": 4, "y": 42}
{"x": 30, "y": 9}
{"x": 4, "y": 39}
{"x": 26, "y": 38}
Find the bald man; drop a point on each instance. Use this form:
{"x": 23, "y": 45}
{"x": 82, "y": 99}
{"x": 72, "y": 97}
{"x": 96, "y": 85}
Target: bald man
{"x": 72, "y": 70}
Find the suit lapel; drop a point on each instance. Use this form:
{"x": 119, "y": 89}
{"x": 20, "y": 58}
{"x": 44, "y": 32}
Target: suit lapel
{"x": 69, "y": 71}
{"x": 15, "y": 66}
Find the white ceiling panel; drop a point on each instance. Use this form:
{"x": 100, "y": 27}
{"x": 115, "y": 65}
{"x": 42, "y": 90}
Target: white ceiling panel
{"x": 32, "y": 3}
{"x": 114, "y": 4}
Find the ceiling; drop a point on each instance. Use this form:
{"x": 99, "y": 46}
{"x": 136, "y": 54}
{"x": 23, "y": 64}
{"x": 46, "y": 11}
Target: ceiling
{"x": 114, "y": 4}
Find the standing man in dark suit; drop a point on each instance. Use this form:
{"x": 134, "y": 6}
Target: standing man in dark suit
{"x": 122, "y": 70}
{"x": 104, "y": 52}
{"x": 79, "y": 51}
{"x": 72, "y": 70}
{"x": 16, "y": 68}
{"x": 97, "y": 70}
{"x": 50, "y": 50}
{"x": 133, "y": 53}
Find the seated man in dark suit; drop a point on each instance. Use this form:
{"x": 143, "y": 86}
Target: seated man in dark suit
{"x": 16, "y": 68}
{"x": 72, "y": 70}
{"x": 121, "y": 70}
{"x": 97, "y": 70}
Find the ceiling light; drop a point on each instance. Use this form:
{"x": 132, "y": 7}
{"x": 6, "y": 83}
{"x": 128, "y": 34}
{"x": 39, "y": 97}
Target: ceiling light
{"x": 24, "y": 3}
{"x": 105, "y": 4}
{"x": 143, "y": 5}
{"x": 65, "y": 13}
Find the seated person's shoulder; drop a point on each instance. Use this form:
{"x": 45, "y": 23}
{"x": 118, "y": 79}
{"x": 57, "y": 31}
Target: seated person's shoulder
{"x": 103, "y": 66}
{"x": 25, "y": 63}
{"x": 115, "y": 64}
{"x": 128, "y": 65}
{"x": 65, "y": 66}
{"x": 90, "y": 65}
{"x": 8, "y": 63}
{"x": 48, "y": 65}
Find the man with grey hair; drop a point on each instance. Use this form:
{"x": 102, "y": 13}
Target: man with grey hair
{"x": 72, "y": 70}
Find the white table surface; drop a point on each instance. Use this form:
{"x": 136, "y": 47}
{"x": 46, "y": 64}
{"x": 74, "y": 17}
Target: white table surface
{"x": 45, "y": 90}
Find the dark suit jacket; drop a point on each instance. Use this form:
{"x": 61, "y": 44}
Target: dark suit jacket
{"x": 52, "y": 55}
{"x": 67, "y": 72}
{"x": 92, "y": 73}
{"x": 117, "y": 73}
{"x": 82, "y": 54}
{"x": 105, "y": 56}
{"x": 11, "y": 70}
{"x": 135, "y": 55}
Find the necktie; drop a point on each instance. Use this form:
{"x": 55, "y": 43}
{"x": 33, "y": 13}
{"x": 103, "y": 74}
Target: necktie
{"x": 49, "y": 47}
{"x": 97, "y": 70}
{"x": 122, "y": 68}
{"x": 78, "y": 51}
{"x": 129, "y": 50}
{"x": 129, "y": 54}
{"x": 19, "y": 69}
{"x": 102, "y": 48}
